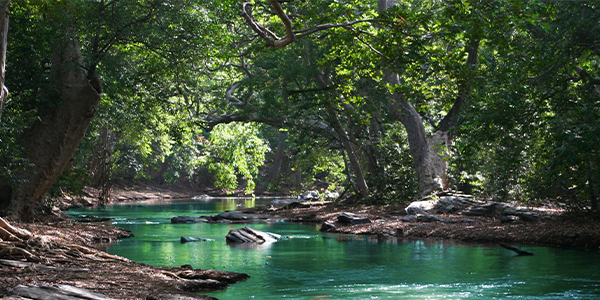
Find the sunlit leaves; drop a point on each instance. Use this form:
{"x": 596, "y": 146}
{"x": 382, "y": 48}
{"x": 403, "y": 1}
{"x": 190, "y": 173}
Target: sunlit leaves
{"x": 235, "y": 149}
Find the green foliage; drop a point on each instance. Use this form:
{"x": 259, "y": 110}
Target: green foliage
{"x": 397, "y": 181}
{"x": 235, "y": 149}
{"x": 528, "y": 129}
{"x": 71, "y": 182}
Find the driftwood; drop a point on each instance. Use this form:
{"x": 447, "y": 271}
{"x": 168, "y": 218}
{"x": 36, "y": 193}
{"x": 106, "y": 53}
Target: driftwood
{"x": 56, "y": 291}
{"x": 517, "y": 250}
{"x": 249, "y": 235}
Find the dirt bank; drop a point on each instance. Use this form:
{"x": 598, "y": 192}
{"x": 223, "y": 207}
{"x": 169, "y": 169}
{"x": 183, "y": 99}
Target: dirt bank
{"x": 553, "y": 229}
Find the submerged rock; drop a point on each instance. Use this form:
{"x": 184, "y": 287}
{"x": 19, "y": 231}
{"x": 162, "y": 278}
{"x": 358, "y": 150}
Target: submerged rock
{"x": 203, "y": 198}
{"x": 237, "y": 217}
{"x": 187, "y": 220}
{"x": 185, "y": 239}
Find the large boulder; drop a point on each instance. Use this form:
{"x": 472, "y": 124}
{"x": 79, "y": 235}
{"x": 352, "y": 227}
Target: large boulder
{"x": 444, "y": 204}
{"x": 452, "y": 204}
{"x": 420, "y": 207}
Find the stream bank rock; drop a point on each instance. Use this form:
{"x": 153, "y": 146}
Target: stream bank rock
{"x": 249, "y": 235}
{"x": 456, "y": 203}
{"x": 345, "y": 218}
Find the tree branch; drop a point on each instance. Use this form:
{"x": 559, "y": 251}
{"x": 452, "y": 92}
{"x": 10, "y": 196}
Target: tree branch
{"x": 230, "y": 97}
{"x": 291, "y": 36}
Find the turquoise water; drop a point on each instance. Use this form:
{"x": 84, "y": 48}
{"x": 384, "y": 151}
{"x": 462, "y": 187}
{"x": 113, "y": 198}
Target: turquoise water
{"x": 307, "y": 264}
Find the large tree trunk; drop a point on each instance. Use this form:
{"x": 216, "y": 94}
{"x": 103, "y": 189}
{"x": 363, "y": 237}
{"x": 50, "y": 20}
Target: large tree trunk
{"x": 3, "y": 44}
{"x": 52, "y": 140}
{"x": 278, "y": 161}
{"x": 430, "y": 154}
{"x": 427, "y": 153}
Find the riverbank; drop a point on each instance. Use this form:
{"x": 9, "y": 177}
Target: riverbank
{"x": 120, "y": 278}
{"x": 553, "y": 228}
{"x": 66, "y": 253}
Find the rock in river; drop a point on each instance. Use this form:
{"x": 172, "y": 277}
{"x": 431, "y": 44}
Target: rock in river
{"x": 249, "y": 235}
{"x": 187, "y": 239}
{"x": 187, "y": 220}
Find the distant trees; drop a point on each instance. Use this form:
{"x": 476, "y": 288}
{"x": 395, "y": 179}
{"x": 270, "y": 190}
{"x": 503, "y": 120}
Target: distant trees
{"x": 388, "y": 99}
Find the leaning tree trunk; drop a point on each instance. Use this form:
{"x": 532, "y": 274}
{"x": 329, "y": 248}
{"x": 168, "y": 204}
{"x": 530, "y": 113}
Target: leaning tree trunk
{"x": 52, "y": 140}
{"x": 427, "y": 154}
{"x": 430, "y": 154}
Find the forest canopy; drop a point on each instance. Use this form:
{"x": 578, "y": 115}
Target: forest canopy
{"x": 383, "y": 100}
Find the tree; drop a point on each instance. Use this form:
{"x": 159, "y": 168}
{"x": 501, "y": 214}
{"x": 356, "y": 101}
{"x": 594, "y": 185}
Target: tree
{"x": 63, "y": 98}
{"x": 4, "y": 16}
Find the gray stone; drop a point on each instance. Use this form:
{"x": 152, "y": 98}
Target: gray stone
{"x": 427, "y": 218}
{"x": 451, "y": 204}
{"x": 249, "y": 235}
{"x": 187, "y": 220}
{"x": 185, "y": 239}
{"x": 327, "y": 226}
{"x": 420, "y": 207}
{"x": 488, "y": 210}
{"x": 352, "y": 219}
{"x": 309, "y": 196}
{"x": 409, "y": 218}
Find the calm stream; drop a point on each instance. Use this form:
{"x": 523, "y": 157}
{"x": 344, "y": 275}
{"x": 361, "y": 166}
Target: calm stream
{"x": 308, "y": 264}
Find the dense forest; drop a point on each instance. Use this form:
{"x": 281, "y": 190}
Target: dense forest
{"x": 385, "y": 100}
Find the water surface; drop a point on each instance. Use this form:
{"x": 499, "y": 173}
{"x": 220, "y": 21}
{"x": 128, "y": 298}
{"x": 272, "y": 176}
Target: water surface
{"x": 307, "y": 264}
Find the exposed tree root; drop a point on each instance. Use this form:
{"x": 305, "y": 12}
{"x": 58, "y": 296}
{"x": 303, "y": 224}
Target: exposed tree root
{"x": 17, "y": 243}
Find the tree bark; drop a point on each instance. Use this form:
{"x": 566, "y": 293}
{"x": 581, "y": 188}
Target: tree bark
{"x": 278, "y": 161}
{"x": 4, "y": 12}
{"x": 52, "y": 140}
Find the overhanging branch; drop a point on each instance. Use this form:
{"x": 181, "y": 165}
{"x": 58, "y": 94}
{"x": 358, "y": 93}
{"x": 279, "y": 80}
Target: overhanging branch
{"x": 291, "y": 36}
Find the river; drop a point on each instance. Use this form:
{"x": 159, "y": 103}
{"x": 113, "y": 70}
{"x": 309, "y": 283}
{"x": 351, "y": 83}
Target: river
{"x": 308, "y": 264}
